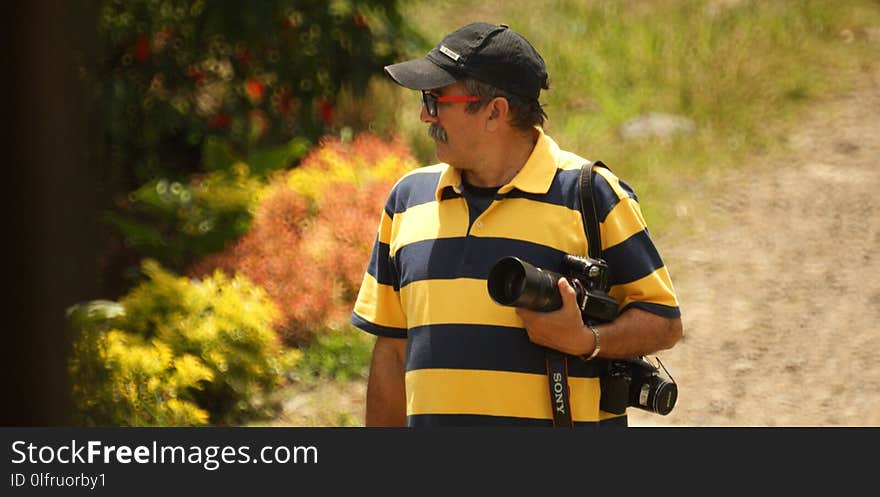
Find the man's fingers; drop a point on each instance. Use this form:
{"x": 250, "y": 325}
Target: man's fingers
{"x": 523, "y": 312}
{"x": 567, "y": 292}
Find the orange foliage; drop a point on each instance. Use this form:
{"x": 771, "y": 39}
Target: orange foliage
{"x": 313, "y": 231}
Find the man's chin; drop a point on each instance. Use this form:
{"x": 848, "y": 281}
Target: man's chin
{"x": 440, "y": 150}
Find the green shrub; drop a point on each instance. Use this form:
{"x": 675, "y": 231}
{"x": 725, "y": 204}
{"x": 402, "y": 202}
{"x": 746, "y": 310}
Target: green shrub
{"x": 170, "y": 77}
{"x": 181, "y": 89}
{"x": 121, "y": 379}
{"x": 178, "y": 351}
{"x": 340, "y": 355}
{"x": 176, "y": 222}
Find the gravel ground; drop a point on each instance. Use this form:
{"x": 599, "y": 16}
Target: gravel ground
{"x": 780, "y": 287}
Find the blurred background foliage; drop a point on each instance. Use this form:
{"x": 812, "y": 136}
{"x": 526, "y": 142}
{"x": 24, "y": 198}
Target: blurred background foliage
{"x": 188, "y": 91}
{"x": 250, "y": 148}
{"x": 178, "y": 351}
{"x": 313, "y": 233}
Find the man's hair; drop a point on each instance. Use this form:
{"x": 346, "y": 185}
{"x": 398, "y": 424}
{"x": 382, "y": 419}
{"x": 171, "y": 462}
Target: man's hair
{"x": 525, "y": 113}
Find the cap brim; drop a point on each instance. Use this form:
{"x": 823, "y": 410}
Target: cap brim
{"x": 420, "y": 74}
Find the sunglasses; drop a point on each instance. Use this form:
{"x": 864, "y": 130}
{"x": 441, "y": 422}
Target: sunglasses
{"x": 430, "y": 100}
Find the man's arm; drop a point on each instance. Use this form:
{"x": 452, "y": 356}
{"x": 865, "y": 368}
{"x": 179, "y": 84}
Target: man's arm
{"x": 635, "y": 332}
{"x": 386, "y": 390}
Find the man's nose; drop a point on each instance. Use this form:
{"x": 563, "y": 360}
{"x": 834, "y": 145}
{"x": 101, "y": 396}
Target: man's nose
{"x": 425, "y": 117}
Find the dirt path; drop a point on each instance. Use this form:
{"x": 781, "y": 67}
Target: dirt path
{"x": 780, "y": 288}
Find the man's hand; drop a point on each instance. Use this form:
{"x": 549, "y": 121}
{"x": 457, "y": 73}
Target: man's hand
{"x": 635, "y": 332}
{"x": 562, "y": 329}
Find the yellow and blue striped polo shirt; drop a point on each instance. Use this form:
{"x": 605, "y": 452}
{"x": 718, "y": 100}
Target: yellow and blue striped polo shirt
{"x": 469, "y": 360}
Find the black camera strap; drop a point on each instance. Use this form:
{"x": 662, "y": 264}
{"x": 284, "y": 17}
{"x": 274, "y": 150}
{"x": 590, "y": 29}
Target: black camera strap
{"x": 557, "y": 374}
{"x": 588, "y": 209}
{"x": 557, "y": 362}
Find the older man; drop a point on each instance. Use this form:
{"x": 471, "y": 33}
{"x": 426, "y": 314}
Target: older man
{"x": 446, "y": 353}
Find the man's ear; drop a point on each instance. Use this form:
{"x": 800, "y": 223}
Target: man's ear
{"x": 498, "y": 111}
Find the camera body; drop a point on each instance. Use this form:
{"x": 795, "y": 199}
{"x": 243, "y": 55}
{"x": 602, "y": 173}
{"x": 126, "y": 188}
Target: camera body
{"x": 634, "y": 382}
{"x": 514, "y": 282}
{"x": 630, "y": 382}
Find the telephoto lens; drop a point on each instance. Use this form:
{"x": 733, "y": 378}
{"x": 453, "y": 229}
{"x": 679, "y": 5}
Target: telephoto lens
{"x": 514, "y": 282}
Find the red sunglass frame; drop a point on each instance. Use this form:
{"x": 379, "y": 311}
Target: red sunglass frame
{"x": 430, "y": 101}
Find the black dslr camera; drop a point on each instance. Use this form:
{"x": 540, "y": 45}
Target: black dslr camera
{"x": 631, "y": 382}
{"x": 634, "y": 382}
{"x": 516, "y": 283}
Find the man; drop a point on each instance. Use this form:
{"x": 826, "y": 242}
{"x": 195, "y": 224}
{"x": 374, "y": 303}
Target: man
{"x": 446, "y": 354}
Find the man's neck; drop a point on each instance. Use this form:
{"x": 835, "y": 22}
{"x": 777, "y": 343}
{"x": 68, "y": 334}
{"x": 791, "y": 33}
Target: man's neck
{"x": 502, "y": 163}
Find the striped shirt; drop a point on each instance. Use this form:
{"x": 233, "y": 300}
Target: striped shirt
{"x": 469, "y": 360}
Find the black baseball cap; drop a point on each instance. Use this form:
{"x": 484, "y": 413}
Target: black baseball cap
{"x": 492, "y": 54}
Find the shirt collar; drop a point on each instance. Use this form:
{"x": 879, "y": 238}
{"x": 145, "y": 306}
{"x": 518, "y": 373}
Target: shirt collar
{"x": 536, "y": 175}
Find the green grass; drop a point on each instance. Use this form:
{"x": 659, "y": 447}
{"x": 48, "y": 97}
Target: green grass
{"x": 336, "y": 355}
{"x": 328, "y": 383}
{"x": 743, "y": 74}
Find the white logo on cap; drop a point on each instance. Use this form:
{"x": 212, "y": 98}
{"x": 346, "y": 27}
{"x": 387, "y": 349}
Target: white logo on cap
{"x": 449, "y": 53}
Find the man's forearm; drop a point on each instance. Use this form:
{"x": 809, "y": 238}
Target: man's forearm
{"x": 634, "y": 332}
{"x": 386, "y": 389}
{"x": 637, "y": 332}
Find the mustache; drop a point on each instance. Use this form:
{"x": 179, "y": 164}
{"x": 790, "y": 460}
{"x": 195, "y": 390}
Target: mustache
{"x": 437, "y": 132}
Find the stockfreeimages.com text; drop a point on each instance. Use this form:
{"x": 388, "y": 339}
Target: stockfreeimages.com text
{"x": 210, "y": 457}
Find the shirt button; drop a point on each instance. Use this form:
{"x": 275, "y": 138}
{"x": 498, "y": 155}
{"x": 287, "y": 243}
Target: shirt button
{"x": 479, "y": 224}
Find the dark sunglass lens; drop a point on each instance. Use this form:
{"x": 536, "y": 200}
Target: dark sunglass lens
{"x": 430, "y": 103}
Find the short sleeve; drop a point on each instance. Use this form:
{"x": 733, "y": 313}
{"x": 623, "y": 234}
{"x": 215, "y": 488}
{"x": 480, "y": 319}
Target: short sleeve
{"x": 638, "y": 276}
{"x": 377, "y": 309}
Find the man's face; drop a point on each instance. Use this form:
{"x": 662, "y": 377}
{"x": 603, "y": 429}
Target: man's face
{"x": 454, "y": 130}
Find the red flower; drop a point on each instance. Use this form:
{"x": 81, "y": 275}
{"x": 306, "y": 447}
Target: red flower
{"x": 326, "y": 111}
{"x": 360, "y": 20}
{"x": 255, "y": 89}
{"x": 196, "y": 75}
{"x": 219, "y": 121}
{"x": 142, "y": 48}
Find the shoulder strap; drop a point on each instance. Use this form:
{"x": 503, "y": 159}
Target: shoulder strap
{"x": 557, "y": 362}
{"x": 588, "y": 208}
